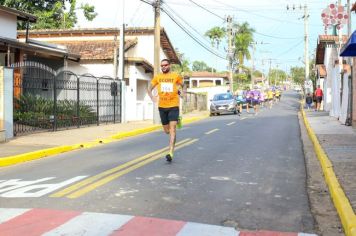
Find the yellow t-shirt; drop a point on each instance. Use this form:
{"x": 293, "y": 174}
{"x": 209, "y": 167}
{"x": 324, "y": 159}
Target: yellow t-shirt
{"x": 270, "y": 94}
{"x": 167, "y": 86}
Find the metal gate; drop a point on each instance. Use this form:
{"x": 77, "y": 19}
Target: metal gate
{"x": 48, "y": 100}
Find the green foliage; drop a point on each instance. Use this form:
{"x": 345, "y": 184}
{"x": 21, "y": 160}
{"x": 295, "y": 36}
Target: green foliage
{"x": 277, "y": 76}
{"x": 257, "y": 73}
{"x": 36, "y": 111}
{"x": 51, "y": 14}
{"x": 298, "y": 75}
{"x": 215, "y": 34}
{"x": 242, "y": 41}
{"x": 182, "y": 69}
{"x": 201, "y": 66}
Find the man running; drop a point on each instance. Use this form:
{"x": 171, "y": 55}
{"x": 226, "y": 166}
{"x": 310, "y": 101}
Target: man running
{"x": 168, "y": 85}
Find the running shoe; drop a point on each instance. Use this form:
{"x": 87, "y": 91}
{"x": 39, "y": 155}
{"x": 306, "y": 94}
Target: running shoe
{"x": 169, "y": 157}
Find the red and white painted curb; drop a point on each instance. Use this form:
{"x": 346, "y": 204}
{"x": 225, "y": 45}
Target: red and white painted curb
{"x": 33, "y": 222}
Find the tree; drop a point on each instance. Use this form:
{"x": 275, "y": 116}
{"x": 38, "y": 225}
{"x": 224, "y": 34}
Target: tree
{"x": 182, "y": 69}
{"x": 215, "y": 34}
{"x": 242, "y": 42}
{"x": 277, "y": 76}
{"x": 201, "y": 66}
{"x": 257, "y": 73}
{"x": 51, "y": 14}
{"x": 298, "y": 74}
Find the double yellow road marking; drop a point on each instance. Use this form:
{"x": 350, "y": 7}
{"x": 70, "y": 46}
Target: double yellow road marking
{"x": 105, "y": 177}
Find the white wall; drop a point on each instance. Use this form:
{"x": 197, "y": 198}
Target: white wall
{"x": 329, "y": 60}
{"x": 144, "y": 48}
{"x": 211, "y": 91}
{"x": 98, "y": 70}
{"x": 142, "y": 108}
{"x": 8, "y": 24}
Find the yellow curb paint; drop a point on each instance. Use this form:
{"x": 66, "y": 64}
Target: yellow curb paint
{"x": 341, "y": 202}
{"x": 110, "y": 178}
{"x": 136, "y": 132}
{"x": 108, "y": 172}
{"x": 211, "y": 131}
{"x": 11, "y": 160}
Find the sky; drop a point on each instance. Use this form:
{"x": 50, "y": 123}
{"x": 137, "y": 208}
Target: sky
{"x": 279, "y": 33}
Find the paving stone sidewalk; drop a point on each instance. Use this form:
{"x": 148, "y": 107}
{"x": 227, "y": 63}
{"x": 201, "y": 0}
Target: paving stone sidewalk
{"x": 339, "y": 143}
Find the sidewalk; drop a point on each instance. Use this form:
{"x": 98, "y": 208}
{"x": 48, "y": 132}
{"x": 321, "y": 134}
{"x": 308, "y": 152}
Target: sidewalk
{"x": 40, "y": 141}
{"x": 339, "y": 144}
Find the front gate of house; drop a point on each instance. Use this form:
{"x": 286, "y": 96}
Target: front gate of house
{"x": 48, "y": 100}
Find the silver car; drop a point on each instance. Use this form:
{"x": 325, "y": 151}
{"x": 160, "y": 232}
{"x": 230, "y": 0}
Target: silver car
{"x": 223, "y": 103}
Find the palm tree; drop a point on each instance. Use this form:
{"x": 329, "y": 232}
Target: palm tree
{"x": 242, "y": 41}
{"x": 215, "y": 34}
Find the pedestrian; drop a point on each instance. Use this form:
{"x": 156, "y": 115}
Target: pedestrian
{"x": 309, "y": 100}
{"x": 248, "y": 96}
{"x": 168, "y": 85}
{"x": 319, "y": 97}
{"x": 256, "y": 94}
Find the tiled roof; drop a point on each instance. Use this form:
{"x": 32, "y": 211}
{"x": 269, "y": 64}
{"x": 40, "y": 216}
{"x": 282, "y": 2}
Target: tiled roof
{"x": 332, "y": 38}
{"x": 19, "y": 14}
{"x": 208, "y": 74}
{"x": 87, "y": 32}
{"x": 321, "y": 70}
{"x": 94, "y": 50}
{"x": 141, "y": 62}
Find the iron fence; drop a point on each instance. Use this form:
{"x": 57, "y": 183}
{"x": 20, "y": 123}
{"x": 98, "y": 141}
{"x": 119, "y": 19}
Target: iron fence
{"x": 48, "y": 100}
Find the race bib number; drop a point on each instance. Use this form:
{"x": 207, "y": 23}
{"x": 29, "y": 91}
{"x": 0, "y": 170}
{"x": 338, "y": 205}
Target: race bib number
{"x": 166, "y": 87}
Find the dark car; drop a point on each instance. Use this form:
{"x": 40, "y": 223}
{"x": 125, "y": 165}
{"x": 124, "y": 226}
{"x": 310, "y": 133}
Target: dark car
{"x": 223, "y": 103}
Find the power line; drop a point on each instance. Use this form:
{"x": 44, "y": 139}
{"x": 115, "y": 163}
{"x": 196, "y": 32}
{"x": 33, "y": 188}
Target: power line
{"x": 149, "y": 3}
{"x": 182, "y": 19}
{"x": 275, "y": 37}
{"x": 207, "y": 10}
{"x": 291, "y": 48}
{"x": 190, "y": 34}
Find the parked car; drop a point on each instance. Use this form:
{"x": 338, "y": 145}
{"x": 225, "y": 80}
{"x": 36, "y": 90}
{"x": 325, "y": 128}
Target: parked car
{"x": 223, "y": 103}
{"x": 297, "y": 88}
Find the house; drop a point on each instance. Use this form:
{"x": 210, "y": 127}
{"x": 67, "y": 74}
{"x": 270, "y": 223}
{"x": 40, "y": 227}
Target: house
{"x": 98, "y": 49}
{"x": 207, "y": 83}
{"x": 333, "y": 75}
{"x": 14, "y": 53}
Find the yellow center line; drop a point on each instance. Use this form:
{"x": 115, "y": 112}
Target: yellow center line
{"x": 211, "y": 131}
{"x": 231, "y": 123}
{"x": 89, "y": 180}
{"x": 110, "y": 178}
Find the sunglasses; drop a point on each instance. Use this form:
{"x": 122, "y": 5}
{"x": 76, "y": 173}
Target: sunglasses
{"x": 164, "y": 65}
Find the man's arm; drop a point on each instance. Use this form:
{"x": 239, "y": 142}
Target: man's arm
{"x": 149, "y": 91}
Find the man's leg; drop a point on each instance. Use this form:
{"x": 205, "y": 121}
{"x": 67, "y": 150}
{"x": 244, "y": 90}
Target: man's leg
{"x": 172, "y": 136}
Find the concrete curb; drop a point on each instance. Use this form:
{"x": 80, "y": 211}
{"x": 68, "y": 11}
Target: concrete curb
{"x": 341, "y": 202}
{"x": 12, "y": 160}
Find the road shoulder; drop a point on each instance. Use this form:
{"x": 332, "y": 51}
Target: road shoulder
{"x": 323, "y": 210}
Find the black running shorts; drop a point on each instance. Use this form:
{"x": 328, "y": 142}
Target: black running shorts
{"x": 168, "y": 114}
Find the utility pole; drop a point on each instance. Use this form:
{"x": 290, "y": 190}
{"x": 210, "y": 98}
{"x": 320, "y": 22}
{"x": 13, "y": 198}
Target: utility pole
{"x": 230, "y": 53}
{"x": 306, "y": 41}
{"x": 269, "y": 72}
{"x": 121, "y": 73}
{"x": 253, "y": 63}
{"x": 157, "y": 47}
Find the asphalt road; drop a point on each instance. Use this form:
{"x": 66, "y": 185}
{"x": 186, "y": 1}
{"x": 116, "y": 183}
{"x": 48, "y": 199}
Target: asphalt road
{"x": 245, "y": 171}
